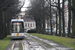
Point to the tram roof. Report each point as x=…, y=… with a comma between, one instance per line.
x=13, y=20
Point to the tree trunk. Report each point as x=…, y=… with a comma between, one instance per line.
x=50, y=19
x=1, y=22
x=37, y=27
x=43, y=15
x=56, y=23
x=8, y=26
x=43, y=26
x=63, y=19
x=59, y=18
x=4, y=25
x=69, y=16
x=73, y=20
x=40, y=28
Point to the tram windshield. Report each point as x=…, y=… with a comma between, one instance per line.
x=17, y=27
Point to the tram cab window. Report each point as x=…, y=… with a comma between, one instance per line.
x=17, y=27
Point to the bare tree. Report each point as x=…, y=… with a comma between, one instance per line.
x=69, y=21
x=63, y=20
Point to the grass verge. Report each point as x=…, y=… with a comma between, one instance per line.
x=5, y=42
x=69, y=42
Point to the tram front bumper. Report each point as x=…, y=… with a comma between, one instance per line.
x=16, y=37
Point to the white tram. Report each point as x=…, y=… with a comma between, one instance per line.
x=17, y=28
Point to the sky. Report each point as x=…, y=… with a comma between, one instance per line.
x=27, y=3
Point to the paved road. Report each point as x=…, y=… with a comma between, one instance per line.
x=35, y=43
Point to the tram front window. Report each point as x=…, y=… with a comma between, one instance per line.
x=17, y=27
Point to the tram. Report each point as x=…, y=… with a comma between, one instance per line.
x=17, y=28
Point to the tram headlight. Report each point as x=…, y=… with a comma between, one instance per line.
x=21, y=34
x=13, y=34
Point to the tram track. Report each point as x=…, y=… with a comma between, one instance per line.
x=39, y=43
x=55, y=46
x=32, y=43
x=28, y=43
x=18, y=45
x=15, y=45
